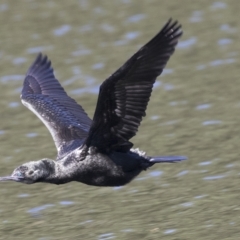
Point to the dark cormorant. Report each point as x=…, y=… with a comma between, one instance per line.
x=96, y=152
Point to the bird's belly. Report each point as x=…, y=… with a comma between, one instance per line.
x=100, y=170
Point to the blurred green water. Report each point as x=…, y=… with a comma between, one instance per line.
x=194, y=111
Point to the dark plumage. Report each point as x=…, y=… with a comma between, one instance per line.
x=97, y=152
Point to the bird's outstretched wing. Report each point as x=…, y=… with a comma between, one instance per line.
x=44, y=96
x=124, y=96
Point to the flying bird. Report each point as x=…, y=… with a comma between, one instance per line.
x=96, y=152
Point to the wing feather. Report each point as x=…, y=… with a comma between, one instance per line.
x=124, y=96
x=44, y=96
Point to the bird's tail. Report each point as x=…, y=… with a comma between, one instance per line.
x=168, y=159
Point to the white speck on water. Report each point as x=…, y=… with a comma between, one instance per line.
x=205, y=163
x=203, y=106
x=169, y=231
x=3, y=7
x=224, y=41
x=218, y=5
x=227, y=28
x=98, y=66
x=222, y=62
x=18, y=61
x=106, y=236
x=174, y=103
x=141, y=178
x=230, y=165
x=9, y=78
x=131, y=35
x=214, y=177
x=35, y=36
x=187, y=43
x=65, y=203
x=37, y=210
x=155, y=173
x=117, y=188
x=201, y=67
x=182, y=173
x=200, y=196
x=127, y=230
x=76, y=70
x=39, y=49
x=62, y=30
x=155, y=117
x=23, y=195
x=86, y=28
x=196, y=17
x=168, y=87
x=136, y=18
x=88, y=221
x=187, y=204
x=211, y=122
x=32, y=135
x=167, y=71
x=14, y=104
x=157, y=84
x=81, y=52
x=2, y=132
x=107, y=27
x=209, y=225
x=169, y=123
x=93, y=89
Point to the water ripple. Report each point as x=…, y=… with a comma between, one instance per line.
x=39, y=49
x=106, y=236
x=187, y=43
x=107, y=27
x=196, y=16
x=203, y=106
x=205, y=163
x=200, y=196
x=184, y=172
x=224, y=41
x=131, y=35
x=155, y=117
x=8, y=78
x=227, y=28
x=19, y=60
x=136, y=18
x=3, y=7
x=93, y=89
x=155, y=173
x=65, y=203
x=14, y=104
x=222, y=62
x=214, y=177
x=31, y=135
x=37, y=210
x=23, y=195
x=2, y=132
x=218, y=5
x=62, y=30
x=169, y=231
x=187, y=204
x=98, y=66
x=211, y=122
x=81, y=52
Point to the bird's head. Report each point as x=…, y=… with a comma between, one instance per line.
x=29, y=173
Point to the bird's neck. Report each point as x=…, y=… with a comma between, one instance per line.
x=56, y=173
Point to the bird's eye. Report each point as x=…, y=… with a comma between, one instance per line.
x=30, y=172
